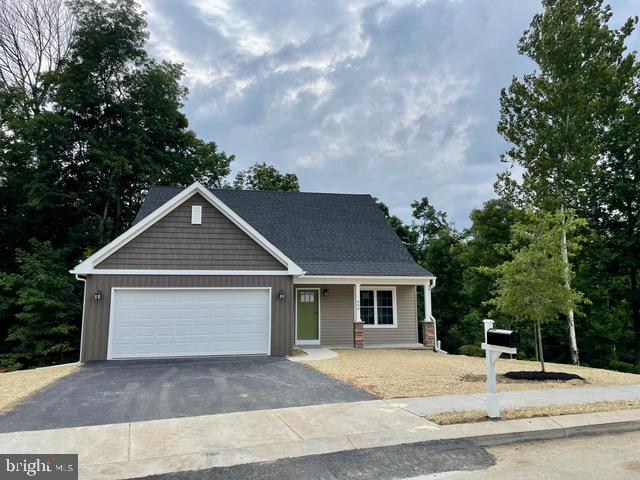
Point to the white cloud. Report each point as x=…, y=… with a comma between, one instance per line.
x=396, y=98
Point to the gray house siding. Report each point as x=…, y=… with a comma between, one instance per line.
x=336, y=317
x=174, y=243
x=95, y=333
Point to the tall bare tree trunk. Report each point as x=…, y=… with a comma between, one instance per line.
x=541, y=352
x=571, y=324
x=535, y=341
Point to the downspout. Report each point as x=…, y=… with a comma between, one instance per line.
x=84, y=299
x=431, y=286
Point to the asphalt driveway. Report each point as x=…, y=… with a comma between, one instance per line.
x=137, y=390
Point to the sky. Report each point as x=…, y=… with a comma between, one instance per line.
x=396, y=98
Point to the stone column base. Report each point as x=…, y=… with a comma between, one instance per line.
x=358, y=334
x=429, y=334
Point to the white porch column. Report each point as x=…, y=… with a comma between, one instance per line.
x=429, y=336
x=356, y=313
x=428, y=313
x=358, y=326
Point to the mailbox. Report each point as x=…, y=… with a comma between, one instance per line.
x=503, y=338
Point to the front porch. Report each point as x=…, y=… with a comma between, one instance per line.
x=382, y=312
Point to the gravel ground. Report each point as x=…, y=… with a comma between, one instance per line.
x=16, y=386
x=418, y=373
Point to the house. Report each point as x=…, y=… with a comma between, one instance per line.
x=231, y=272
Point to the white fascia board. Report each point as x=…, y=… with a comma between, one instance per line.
x=87, y=266
x=363, y=279
x=122, y=271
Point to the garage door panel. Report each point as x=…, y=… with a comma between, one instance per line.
x=175, y=322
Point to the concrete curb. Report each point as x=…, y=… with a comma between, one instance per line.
x=555, y=434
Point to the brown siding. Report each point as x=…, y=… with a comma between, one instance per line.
x=95, y=333
x=336, y=317
x=174, y=243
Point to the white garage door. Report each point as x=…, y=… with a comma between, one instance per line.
x=188, y=322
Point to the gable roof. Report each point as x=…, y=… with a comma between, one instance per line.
x=87, y=266
x=323, y=233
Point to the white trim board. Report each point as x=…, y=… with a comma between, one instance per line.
x=362, y=280
x=115, y=271
x=88, y=266
x=111, y=316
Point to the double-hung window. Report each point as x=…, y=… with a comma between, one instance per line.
x=378, y=306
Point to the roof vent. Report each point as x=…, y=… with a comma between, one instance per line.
x=196, y=215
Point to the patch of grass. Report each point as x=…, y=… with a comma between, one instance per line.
x=18, y=385
x=390, y=373
x=450, y=418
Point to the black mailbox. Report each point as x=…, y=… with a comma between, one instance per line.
x=503, y=338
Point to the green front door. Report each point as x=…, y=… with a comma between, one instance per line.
x=307, y=316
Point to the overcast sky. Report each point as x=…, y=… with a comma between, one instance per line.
x=394, y=98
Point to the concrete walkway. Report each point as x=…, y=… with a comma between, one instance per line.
x=127, y=450
x=426, y=406
x=314, y=353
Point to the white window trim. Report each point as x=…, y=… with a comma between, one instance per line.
x=375, y=289
x=308, y=342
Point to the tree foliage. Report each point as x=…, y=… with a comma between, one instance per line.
x=46, y=299
x=261, y=176
x=530, y=286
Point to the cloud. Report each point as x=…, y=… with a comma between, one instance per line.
x=395, y=98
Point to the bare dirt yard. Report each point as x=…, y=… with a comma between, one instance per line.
x=16, y=386
x=420, y=373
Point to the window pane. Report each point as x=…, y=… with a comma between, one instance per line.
x=366, y=315
x=366, y=298
x=385, y=298
x=385, y=316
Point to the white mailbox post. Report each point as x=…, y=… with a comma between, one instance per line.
x=492, y=353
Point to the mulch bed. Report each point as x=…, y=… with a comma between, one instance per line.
x=543, y=376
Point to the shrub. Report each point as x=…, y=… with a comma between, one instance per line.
x=471, y=350
x=624, y=367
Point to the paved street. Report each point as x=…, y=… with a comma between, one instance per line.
x=593, y=457
x=401, y=461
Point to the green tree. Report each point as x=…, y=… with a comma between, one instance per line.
x=483, y=246
x=555, y=117
x=261, y=176
x=531, y=286
x=123, y=109
x=407, y=233
x=99, y=128
x=617, y=201
x=45, y=296
x=439, y=249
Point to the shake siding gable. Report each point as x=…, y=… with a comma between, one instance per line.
x=174, y=243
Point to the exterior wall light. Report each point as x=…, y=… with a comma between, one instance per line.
x=281, y=294
x=325, y=292
x=97, y=295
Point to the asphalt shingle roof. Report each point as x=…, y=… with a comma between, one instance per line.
x=324, y=233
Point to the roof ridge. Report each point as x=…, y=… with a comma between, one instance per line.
x=266, y=191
